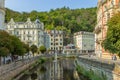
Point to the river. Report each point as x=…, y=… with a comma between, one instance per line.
x=63, y=69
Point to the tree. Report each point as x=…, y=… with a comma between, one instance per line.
x=34, y=49
x=5, y=44
x=42, y=49
x=112, y=41
x=3, y=52
x=5, y=40
x=26, y=46
x=18, y=48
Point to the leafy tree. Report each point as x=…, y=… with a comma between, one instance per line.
x=3, y=53
x=5, y=40
x=72, y=20
x=26, y=46
x=18, y=48
x=34, y=49
x=112, y=41
x=42, y=49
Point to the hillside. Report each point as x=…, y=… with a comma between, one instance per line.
x=69, y=20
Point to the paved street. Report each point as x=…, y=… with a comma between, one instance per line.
x=110, y=61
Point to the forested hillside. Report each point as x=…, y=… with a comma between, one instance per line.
x=70, y=20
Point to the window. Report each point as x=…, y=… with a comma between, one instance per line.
x=23, y=38
x=23, y=32
x=56, y=48
x=17, y=32
x=56, y=43
x=56, y=39
x=51, y=48
x=28, y=32
x=33, y=32
x=51, y=43
x=108, y=15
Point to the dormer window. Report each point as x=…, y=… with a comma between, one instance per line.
x=112, y=3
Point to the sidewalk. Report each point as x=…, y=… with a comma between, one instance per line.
x=110, y=61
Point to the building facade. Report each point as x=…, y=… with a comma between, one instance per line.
x=29, y=32
x=84, y=41
x=2, y=13
x=105, y=10
x=69, y=49
x=54, y=40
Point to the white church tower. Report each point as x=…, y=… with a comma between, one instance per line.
x=2, y=13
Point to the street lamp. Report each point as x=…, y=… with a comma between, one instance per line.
x=55, y=53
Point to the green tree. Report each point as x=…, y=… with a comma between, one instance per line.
x=18, y=48
x=34, y=49
x=26, y=46
x=112, y=41
x=5, y=40
x=3, y=53
x=5, y=44
x=42, y=49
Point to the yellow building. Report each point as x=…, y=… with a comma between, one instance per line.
x=105, y=10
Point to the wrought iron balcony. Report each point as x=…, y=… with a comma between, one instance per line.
x=29, y=35
x=99, y=40
x=97, y=29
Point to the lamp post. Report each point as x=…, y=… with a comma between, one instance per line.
x=55, y=53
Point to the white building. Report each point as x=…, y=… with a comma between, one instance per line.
x=70, y=48
x=2, y=13
x=84, y=41
x=54, y=40
x=29, y=32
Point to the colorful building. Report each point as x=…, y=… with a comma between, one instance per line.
x=84, y=42
x=54, y=40
x=105, y=10
x=28, y=32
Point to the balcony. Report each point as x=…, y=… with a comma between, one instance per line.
x=29, y=35
x=29, y=41
x=99, y=40
x=97, y=29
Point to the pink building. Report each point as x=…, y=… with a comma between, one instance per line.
x=105, y=10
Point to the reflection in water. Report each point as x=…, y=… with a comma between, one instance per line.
x=59, y=70
x=55, y=70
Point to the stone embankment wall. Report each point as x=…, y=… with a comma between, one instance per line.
x=7, y=72
x=110, y=69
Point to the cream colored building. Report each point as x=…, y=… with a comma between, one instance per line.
x=105, y=10
x=2, y=13
x=54, y=40
x=84, y=41
x=29, y=32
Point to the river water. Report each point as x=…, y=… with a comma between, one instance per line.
x=54, y=70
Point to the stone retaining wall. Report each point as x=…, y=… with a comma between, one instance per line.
x=7, y=72
x=111, y=70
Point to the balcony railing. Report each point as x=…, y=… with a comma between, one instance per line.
x=97, y=29
x=29, y=35
x=99, y=40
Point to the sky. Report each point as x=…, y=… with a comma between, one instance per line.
x=46, y=5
